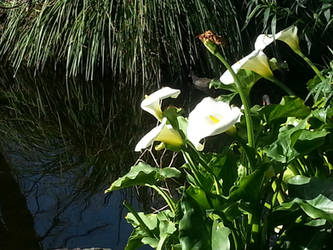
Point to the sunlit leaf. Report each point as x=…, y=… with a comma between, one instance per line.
x=282, y=149
x=142, y=174
x=220, y=235
x=309, y=140
x=313, y=195
x=166, y=228
x=217, y=84
x=289, y=106
x=134, y=241
x=150, y=220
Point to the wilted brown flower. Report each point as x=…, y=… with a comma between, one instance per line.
x=210, y=36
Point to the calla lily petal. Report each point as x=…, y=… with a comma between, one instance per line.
x=163, y=133
x=263, y=41
x=288, y=36
x=259, y=63
x=152, y=103
x=210, y=117
x=256, y=61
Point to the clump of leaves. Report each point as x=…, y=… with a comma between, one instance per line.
x=256, y=195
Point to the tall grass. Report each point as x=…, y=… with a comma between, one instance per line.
x=134, y=41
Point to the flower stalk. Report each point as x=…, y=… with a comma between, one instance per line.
x=308, y=61
x=210, y=41
x=281, y=85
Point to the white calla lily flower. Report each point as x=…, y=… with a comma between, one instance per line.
x=152, y=103
x=288, y=36
x=163, y=133
x=256, y=61
x=210, y=117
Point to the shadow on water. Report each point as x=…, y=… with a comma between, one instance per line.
x=66, y=142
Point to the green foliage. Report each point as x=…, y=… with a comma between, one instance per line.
x=248, y=196
x=142, y=174
x=129, y=40
x=314, y=17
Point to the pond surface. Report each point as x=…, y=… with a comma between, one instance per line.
x=65, y=217
x=67, y=141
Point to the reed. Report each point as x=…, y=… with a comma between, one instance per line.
x=134, y=41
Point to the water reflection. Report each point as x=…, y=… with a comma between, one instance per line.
x=67, y=141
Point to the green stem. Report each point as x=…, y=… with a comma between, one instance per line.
x=244, y=98
x=281, y=85
x=308, y=61
x=192, y=168
x=165, y=196
x=191, y=151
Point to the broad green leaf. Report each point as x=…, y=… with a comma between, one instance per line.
x=316, y=223
x=166, y=173
x=282, y=149
x=199, y=196
x=313, y=195
x=309, y=140
x=160, y=222
x=150, y=241
x=226, y=98
x=142, y=174
x=194, y=227
x=224, y=168
x=217, y=84
x=149, y=219
x=182, y=125
x=134, y=241
x=290, y=106
x=165, y=215
x=167, y=228
x=320, y=114
x=206, y=200
x=311, y=210
x=249, y=187
x=220, y=236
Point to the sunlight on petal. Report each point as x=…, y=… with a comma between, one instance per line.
x=152, y=103
x=210, y=117
x=256, y=61
x=163, y=133
x=288, y=36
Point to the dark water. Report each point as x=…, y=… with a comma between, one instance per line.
x=65, y=217
x=66, y=142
